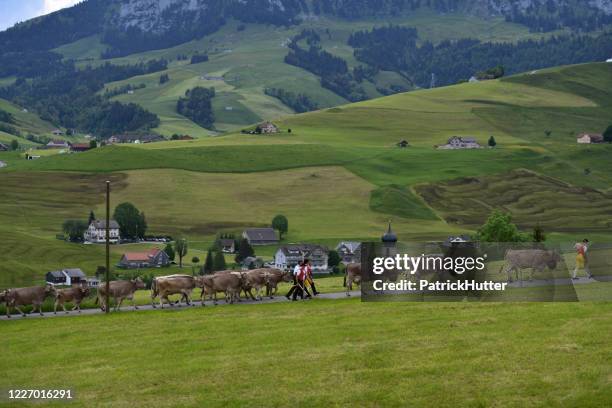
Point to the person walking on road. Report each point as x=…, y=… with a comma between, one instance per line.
x=294, y=288
x=309, y=280
x=582, y=260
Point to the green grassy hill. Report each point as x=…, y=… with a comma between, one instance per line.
x=252, y=59
x=338, y=175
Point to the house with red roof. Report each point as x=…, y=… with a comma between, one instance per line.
x=155, y=258
x=80, y=147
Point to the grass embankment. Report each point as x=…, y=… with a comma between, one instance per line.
x=321, y=353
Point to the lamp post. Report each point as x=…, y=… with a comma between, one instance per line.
x=107, y=247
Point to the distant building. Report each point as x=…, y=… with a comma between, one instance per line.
x=457, y=239
x=251, y=262
x=66, y=277
x=266, y=127
x=2, y=164
x=154, y=258
x=228, y=245
x=349, y=251
x=80, y=147
x=57, y=132
x=473, y=79
x=3, y=147
x=260, y=236
x=58, y=144
x=287, y=256
x=589, y=138
x=459, y=142
x=609, y=60
x=135, y=139
x=96, y=232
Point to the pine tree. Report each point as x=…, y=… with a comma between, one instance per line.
x=208, y=263
x=244, y=250
x=492, y=142
x=219, y=261
x=170, y=252
x=92, y=217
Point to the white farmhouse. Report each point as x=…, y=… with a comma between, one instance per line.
x=287, y=256
x=96, y=232
x=459, y=142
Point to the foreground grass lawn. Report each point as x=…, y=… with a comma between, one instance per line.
x=321, y=353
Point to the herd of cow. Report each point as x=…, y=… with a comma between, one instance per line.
x=230, y=283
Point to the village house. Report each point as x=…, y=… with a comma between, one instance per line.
x=287, y=256
x=58, y=144
x=459, y=142
x=228, y=245
x=80, y=147
x=134, y=139
x=589, y=138
x=155, y=258
x=251, y=262
x=96, y=232
x=66, y=277
x=2, y=164
x=3, y=147
x=266, y=127
x=260, y=236
x=349, y=251
x=57, y=132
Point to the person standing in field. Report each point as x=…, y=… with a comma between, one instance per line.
x=309, y=279
x=582, y=260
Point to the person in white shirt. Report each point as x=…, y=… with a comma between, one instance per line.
x=296, y=272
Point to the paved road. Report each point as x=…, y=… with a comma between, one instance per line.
x=277, y=299
x=336, y=295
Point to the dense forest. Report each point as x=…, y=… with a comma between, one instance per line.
x=197, y=106
x=333, y=70
x=300, y=103
x=395, y=49
x=69, y=97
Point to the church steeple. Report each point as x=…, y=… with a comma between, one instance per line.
x=389, y=237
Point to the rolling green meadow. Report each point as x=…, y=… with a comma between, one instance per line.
x=338, y=175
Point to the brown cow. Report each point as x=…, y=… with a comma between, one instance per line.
x=119, y=290
x=34, y=296
x=255, y=279
x=163, y=286
x=228, y=282
x=352, y=274
x=535, y=259
x=275, y=276
x=75, y=294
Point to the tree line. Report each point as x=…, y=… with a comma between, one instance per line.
x=197, y=106
x=298, y=102
x=332, y=70
x=70, y=97
x=396, y=49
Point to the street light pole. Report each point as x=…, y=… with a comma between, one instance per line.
x=107, y=247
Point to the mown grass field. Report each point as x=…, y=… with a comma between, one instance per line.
x=321, y=353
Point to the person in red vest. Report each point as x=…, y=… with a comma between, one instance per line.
x=309, y=280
